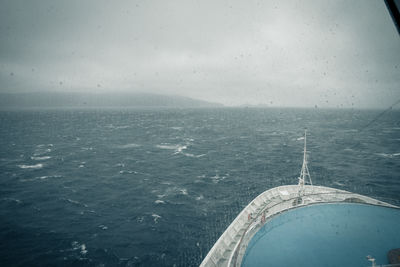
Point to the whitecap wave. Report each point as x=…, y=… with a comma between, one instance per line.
x=156, y=217
x=338, y=183
x=49, y=176
x=103, y=227
x=177, y=128
x=75, y=202
x=41, y=151
x=43, y=145
x=36, y=166
x=199, y=197
x=128, y=171
x=193, y=156
x=41, y=158
x=216, y=178
x=140, y=219
x=178, y=149
x=40, y=178
x=159, y=201
x=166, y=146
x=385, y=155
x=126, y=146
x=81, y=247
x=183, y=191
x=10, y=199
x=111, y=126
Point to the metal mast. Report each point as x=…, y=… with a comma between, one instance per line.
x=304, y=173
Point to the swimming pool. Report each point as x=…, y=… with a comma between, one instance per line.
x=326, y=235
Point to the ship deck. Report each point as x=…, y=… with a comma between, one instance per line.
x=339, y=234
x=244, y=237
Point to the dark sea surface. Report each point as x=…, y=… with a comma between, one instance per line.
x=157, y=187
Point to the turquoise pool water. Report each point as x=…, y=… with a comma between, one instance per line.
x=326, y=235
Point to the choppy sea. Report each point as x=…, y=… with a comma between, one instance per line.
x=157, y=187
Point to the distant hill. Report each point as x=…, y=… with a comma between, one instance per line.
x=26, y=100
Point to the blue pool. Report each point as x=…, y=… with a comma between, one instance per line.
x=326, y=235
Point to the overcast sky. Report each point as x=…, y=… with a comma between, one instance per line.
x=279, y=53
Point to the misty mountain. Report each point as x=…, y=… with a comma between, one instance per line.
x=26, y=100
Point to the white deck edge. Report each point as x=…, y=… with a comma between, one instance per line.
x=231, y=246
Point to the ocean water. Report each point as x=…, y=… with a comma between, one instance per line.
x=157, y=187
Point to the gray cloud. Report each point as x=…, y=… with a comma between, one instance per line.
x=295, y=53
